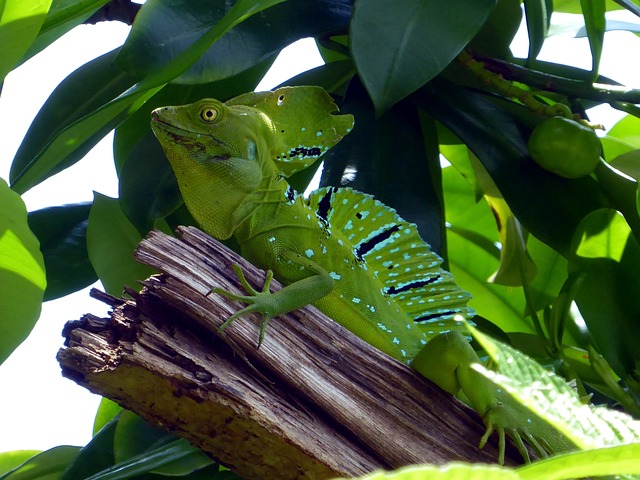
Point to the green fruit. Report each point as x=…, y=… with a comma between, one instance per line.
x=565, y=147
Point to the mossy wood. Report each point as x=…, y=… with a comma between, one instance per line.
x=314, y=401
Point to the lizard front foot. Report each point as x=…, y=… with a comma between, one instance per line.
x=261, y=302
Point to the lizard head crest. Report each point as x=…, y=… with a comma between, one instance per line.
x=304, y=124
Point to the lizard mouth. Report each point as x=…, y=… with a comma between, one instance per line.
x=180, y=134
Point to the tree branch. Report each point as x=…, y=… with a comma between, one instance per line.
x=314, y=401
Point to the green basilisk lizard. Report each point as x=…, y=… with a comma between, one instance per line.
x=340, y=250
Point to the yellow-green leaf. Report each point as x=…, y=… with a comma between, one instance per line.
x=22, y=273
x=20, y=22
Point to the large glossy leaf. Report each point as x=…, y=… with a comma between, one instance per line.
x=551, y=273
x=369, y=159
x=595, y=23
x=609, y=254
x=548, y=206
x=68, y=144
x=538, y=17
x=94, y=456
x=626, y=130
x=148, y=189
x=111, y=240
x=63, y=131
x=149, y=461
x=107, y=411
x=165, y=28
x=621, y=189
x=62, y=232
x=135, y=437
x=619, y=460
x=399, y=46
x=334, y=77
x=456, y=471
x=20, y=22
x=571, y=6
x=47, y=465
x=473, y=256
x=62, y=17
x=13, y=459
x=497, y=33
x=22, y=273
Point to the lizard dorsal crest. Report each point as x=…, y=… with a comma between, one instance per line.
x=408, y=270
x=304, y=124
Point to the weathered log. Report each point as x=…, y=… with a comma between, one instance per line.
x=314, y=401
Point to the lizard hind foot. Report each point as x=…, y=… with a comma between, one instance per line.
x=499, y=420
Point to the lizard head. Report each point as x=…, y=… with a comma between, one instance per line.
x=222, y=153
x=215, y=152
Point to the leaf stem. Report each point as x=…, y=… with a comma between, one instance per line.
x=600, y=92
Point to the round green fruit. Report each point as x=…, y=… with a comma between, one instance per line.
x=565, y=147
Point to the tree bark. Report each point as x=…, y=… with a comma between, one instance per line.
x=314, y=401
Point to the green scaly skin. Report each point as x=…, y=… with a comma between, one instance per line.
x=341, y=250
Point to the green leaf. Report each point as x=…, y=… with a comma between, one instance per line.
x=135, y=437
x=619, y=460
x=80, y=132
x=111, y=240
x=627, y=130
x=566, y=6
x=473, y=257
x=107, y=411
x=595, y=22
x=13, y=459
x=538, y=18
x=62, y=232
x=451, y=471
x=165, y=28
x=22, y=273
x=62, y=17
x=146, y=462
x=20, y=22
x=419, y=39
x=334, y=77
x=94, y=456
x=47, y=465
x=609, y=254
x=552, y=273
x=69, y=125
x=176, y=65
x=496, y=35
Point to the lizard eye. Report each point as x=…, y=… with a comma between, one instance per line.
x=208, y=114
